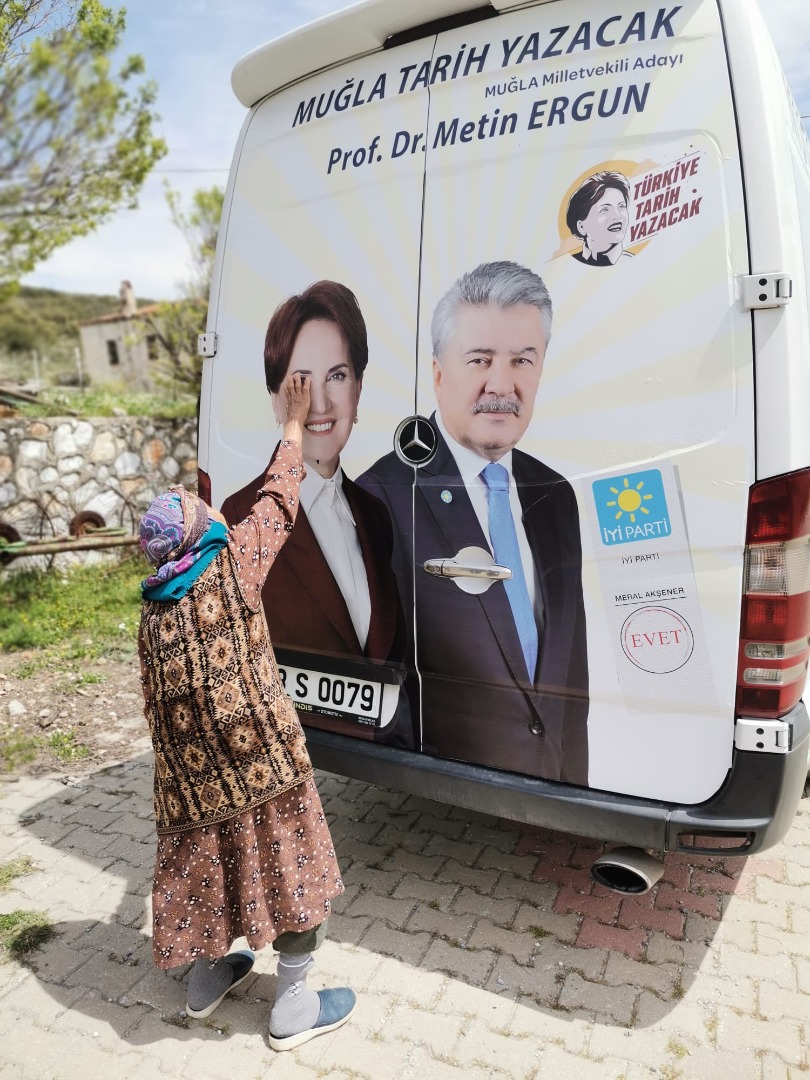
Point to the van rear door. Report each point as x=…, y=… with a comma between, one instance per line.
x=326, y=186
x=598, y=151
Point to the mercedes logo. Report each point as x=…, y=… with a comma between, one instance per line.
x=416, y=441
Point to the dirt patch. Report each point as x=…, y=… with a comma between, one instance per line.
x=68, y=719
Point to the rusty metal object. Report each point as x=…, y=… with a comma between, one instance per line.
x=85, y=523
x=96, y=541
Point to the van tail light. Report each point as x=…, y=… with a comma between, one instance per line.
x=775, y=626
x=204, y=486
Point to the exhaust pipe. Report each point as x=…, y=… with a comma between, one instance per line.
x=627, y=870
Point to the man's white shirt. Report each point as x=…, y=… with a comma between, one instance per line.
x=333, y=524
x=470, y=466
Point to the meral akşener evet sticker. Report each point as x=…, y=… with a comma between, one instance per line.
x=644, y=564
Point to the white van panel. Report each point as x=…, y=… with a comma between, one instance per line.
x=650, y=361
x=774, y=148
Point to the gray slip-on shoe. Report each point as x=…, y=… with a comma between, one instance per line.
x=241, y=965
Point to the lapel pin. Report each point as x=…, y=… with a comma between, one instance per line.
x=446, y=496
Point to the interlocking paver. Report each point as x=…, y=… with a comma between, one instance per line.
x=440, y=826
x=482, y=881
x=421, y=987
x=782, y=1037
x=349, y=929
x=660, y=978
x=433, y=892
x=405, y=946
x=647, y=1047
x=502, y=912
x=736, y=991
x=423, y=1027
x=662, y=949
x=684, y=1018
x=554, y=956
x=572, y=1030
x=454, y=849
x=422, y=1064
x=778, y=1004
x=379, y=882
x=512, y=1055
x=543, y=922
x=773, y=1068
x=425, y=866
x=458, y=999
x=539, y=893
x=614, y=1003
x=778, y=968
x=494, y=858
x=596, y=934
x=565, y=1066
x=480, y=950
x=374, y=1057
x=701, y=1063
x=541, y=983
x=401, y=842
x=472, y=964
x=435, y=921
x=487, y=935
x=383, y=908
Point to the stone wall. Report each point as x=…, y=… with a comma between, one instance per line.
x=52, y=469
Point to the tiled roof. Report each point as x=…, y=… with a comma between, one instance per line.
x=117, y=316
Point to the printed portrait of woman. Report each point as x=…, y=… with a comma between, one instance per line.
x=598, y=214
x=332, y=590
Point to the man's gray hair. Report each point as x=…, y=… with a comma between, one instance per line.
x=501, y=284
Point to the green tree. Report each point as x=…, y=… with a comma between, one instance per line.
x=76, y=136
x=177, y=323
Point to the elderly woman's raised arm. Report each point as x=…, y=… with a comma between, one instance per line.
x=255, y=541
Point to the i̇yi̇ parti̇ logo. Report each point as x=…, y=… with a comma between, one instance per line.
x=632, y=507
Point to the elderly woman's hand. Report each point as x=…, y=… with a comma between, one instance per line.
x=295, y=394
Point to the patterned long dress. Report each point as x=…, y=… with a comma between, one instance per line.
x=243, y=844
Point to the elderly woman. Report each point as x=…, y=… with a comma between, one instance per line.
x=598, y=213
x=243, y=845
x=332, y=590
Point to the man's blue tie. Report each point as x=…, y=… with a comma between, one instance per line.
x=507, y=553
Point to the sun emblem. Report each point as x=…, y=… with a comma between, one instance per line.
x=629, y=500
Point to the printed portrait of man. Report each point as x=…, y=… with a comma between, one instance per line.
x=504, y=674
x=598, y=214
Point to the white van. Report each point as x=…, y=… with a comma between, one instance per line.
x=548, y=266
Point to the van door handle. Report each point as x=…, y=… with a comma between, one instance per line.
x=473, y=569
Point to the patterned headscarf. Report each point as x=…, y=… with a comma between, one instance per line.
x=170, y=532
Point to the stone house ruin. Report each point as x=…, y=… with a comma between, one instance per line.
x=120, y=347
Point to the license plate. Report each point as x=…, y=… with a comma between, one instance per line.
x=333, y=695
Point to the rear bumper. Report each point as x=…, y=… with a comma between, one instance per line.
x=752, y=810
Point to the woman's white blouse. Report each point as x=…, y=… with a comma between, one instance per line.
x=330, y=516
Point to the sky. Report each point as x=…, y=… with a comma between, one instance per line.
x=190, y=48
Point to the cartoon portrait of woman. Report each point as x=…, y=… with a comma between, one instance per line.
x=331, y=590
x=598, y=214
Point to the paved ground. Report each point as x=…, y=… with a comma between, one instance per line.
x=478, y=950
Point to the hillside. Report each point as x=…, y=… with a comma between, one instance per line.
x=46, y=320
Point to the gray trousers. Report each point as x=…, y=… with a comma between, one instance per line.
x=299, y=943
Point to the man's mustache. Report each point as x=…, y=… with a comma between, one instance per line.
x=492, y=403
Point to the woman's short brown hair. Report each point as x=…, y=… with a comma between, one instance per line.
x=588, y=195
x=327, y=300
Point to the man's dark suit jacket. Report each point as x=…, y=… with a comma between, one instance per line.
x=477, y=704
x=303, y=603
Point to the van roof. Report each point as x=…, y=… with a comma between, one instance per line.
x=343, y=35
